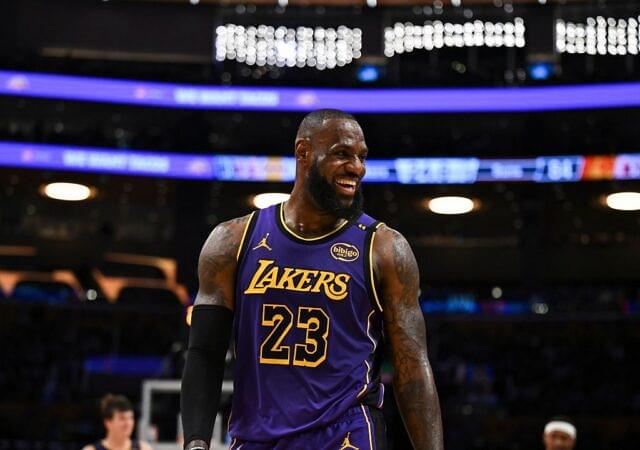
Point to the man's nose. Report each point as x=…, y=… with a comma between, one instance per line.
x=356, y=167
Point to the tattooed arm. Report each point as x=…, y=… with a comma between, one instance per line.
x=217, y=264
x=414, y=387
x=210, y=332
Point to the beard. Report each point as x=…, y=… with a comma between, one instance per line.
x=326, y=197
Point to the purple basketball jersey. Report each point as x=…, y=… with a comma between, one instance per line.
x=307, y=326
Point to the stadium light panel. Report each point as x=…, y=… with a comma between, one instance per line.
x=407, y=37
x=322, y=48
x=71, y=192
x=599, y=35
x=624, y=201
x=450, y=205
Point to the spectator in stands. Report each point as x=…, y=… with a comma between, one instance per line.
x=559, y=434
x=119, y=421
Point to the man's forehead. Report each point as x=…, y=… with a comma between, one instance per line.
x=559, y=434
x=342, y=130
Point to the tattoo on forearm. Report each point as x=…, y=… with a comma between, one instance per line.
x=413, y=380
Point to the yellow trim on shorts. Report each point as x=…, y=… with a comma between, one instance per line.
x=366, y=418
x=290, y=231
x=372, y=280
x=244, y=235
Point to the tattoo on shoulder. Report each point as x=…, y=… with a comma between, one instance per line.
x=405, y=262
x=399, y=258
x=217, y=262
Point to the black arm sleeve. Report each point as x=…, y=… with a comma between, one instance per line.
x=204, y=369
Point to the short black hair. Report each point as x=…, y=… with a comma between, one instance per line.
x=110, y=404
x=314, y=121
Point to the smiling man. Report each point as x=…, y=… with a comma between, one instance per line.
x=308, y=288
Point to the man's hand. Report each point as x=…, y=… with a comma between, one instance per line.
x=197, y=445
x=399, y=279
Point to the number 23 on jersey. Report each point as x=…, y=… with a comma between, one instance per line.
x=311, y=353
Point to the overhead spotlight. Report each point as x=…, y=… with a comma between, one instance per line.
x=71, y=192
x=372, y=3
x=194, y=2
x=302, y=46
x=624, y=201
x=598, y=35
x=267, y=199
x=450, y=205
x=407, y=37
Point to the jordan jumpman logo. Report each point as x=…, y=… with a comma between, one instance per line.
x=347, y=444
x=263, y=243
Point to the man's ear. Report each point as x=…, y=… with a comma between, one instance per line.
x=303, y=150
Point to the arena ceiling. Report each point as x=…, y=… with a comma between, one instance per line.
x=497, y=3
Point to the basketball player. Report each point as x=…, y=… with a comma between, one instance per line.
x=119, y=421
x=559, y=434
x=308, y=287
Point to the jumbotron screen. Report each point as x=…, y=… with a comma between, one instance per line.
x=282, y=168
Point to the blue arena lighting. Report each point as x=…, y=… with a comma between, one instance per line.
x=368, y=74
x=540, y=71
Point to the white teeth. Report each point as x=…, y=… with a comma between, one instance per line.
x=347, y=182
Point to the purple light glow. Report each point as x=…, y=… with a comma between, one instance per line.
x=456, y=100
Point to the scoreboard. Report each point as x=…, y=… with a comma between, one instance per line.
x=544, y=169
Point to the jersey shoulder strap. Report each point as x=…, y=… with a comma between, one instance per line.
x=246, y=235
